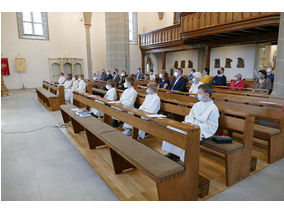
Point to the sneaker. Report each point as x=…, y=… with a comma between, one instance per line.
x=127, y=132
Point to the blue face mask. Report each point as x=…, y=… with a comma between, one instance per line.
x=268, y=70
x=200, y=97
x=260, y=77
x=235, y=78
x=148, y=91
x=193, y=80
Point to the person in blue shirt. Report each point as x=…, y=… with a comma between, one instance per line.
x=269, y=74
x=178, y=82
x=220, y=79
x=190, y=77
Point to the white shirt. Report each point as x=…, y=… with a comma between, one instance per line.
x=61, y=80
x=128, y=97
x=194, y=87
x=82, y=86
x=75, y=85
x=111, y=95
x=152, y=77
x=67, y=84
x=151, y=103
x=206, y=116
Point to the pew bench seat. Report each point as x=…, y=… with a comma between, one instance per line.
x=223, y=148
x=126, y=152
x=99, y=91
x=48, y=99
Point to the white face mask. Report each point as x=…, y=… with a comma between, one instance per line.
x=73, y=79
x=176, y=74
x=161, y=75
x=94, y=78
x=125, y=84
x=122, y=74
x=80, y=79
x=108, y=73
x=107, y=87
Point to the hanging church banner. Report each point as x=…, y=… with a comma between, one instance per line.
x=5, y=66
x=20, y=64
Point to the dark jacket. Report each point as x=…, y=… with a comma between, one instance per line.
x=220, y=81
x=179, y=86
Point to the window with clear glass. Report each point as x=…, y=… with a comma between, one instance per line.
x=132, y=18
x=32, y=25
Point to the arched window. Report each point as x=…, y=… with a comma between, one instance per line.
x=32, y=25
x=132, y=18
x=149, y=64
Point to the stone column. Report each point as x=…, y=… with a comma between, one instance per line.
x=163, y=60
x=201, y=59
x=278, y=88
x=87, y=23
x=117, y=41
x=142, y=62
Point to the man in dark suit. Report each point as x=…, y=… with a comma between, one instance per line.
x=139, y=75
x=116, y=76
x=178, y=82
x=108, y=76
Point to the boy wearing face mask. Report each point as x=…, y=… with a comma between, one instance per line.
x=151, y=104
x=220, y=79
x=110, y=95
x=128, y=97
x=178, y=82
x=237, y=82
x=67, y=86
x=139, y=75
x=269, y=74
x=204, y=114
x=69, y=91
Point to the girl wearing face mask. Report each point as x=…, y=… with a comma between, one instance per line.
x=164, y=80
x=237, y=82
x=190, y=77
x=206, y=78
x=195, y=82
x=151, y=104
x=110, y=95
x=262, y=82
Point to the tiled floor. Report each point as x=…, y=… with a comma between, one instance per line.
x=42, y=165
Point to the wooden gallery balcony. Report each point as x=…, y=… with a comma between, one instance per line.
x=201, y=29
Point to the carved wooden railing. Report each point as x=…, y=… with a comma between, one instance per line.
x=167, y=34
x=201, y=20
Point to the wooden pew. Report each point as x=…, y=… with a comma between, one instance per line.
x=173, y=181
x=240, y=150
x=51, y=96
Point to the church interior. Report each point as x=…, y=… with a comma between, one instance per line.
x=142, y=106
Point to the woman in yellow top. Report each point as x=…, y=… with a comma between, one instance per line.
x=206, y=78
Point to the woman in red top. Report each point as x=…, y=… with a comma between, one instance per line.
x=238, y=82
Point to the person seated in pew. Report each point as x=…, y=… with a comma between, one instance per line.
x=115, y=76
x=97, y=77
x=178, y=82
x=146, y=77
x=220, y=79
x=103, y=74
x=262, y=81
x=204, y=114
x=139, y=75
x=151, y=104
x=269, y=74
x=110, y=95
x=122, y=78
x=61, y=79
x=69, y=92
x=164, y=80
x=108, y=76
x=195, y=82
x=238, y=82
x=67, y=86
x=128, y=97
x=82, y=84
x=190, y=77
x=206, y=78
x=152, y=75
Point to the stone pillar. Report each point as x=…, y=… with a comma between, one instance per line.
x=163, y=60
x=201, y=59
x=278, y=88
x=208, y=53
x=143, y=62
x=87, y=23
x=117, y=41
